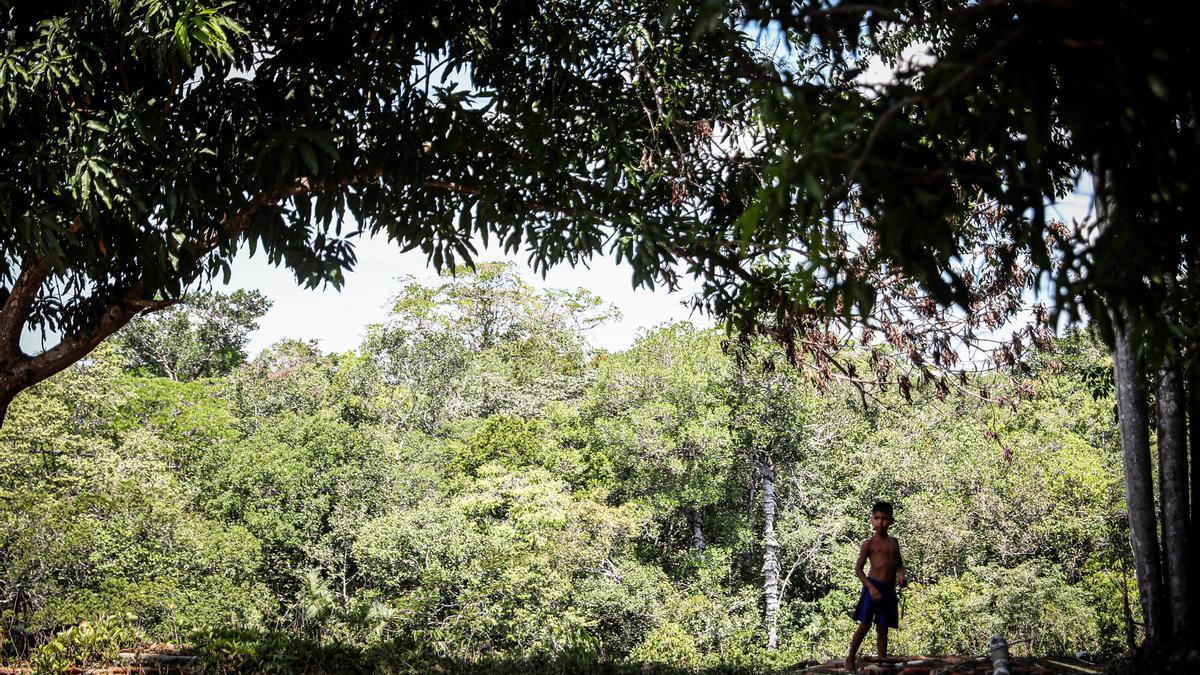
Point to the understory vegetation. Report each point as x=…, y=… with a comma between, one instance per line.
x=477, y=485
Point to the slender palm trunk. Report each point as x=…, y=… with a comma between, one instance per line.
x=1139, y=485
x=770, y=568
x=1173, y=491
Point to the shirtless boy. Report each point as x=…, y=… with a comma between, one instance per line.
x=878, y=600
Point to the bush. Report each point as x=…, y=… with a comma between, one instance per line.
x=1032, y=605
x=89, y=643
x=228, y=650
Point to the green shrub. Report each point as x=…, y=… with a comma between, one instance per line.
x=88, y=643
x=227, y=651
x=669, y=645
x=1031, y=604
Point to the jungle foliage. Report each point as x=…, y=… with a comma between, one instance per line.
x=477, y=487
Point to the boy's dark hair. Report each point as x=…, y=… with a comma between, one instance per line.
x=884, y=508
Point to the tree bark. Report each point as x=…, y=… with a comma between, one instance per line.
x=1130, y=642
x=20, y=371
x=6, y=397
x=770, y=568
x=1173, y=491
x=1139, y=485
x=1192, y=403
x=1192, y=394
x=696, y=518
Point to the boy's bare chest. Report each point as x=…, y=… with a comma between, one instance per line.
x=882, y=550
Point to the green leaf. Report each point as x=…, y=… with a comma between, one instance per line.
x=85, y=181
x=310, y=159
x=813, y=186
x=102, y=190
x=182, y=41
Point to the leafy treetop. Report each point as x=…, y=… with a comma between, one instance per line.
x=964, y=150
x=147, y=141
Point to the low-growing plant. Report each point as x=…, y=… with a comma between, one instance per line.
x=88, y=643
x=229, y=650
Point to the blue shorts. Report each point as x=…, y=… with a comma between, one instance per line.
x=884, y=611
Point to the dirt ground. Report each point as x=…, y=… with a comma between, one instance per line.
x=955, y=665
x=171, y=660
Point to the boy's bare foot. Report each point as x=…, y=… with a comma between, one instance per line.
x=849, y=666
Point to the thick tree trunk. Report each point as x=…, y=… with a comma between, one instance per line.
x=1173, y=491
x=696, y=518
x=6, y=397
x=1130, y=641
x=1192, y=395
x=1139, y=485
x=1192, y=398
x=770, y=568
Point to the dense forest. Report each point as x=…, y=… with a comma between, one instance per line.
x=478, y=484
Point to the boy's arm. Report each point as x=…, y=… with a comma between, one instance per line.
x=863, y=552
x=901, y=573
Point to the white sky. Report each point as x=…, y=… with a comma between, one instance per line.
x=337, y=320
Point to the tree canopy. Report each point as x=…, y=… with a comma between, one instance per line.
x=150, y=140
x=147, y=142
x=994, y=111
x=204, y=336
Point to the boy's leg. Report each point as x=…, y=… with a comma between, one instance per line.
x=881, y=637
x=855, y=643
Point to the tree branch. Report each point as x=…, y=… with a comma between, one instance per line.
x=72, y=348
x=17, y=306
